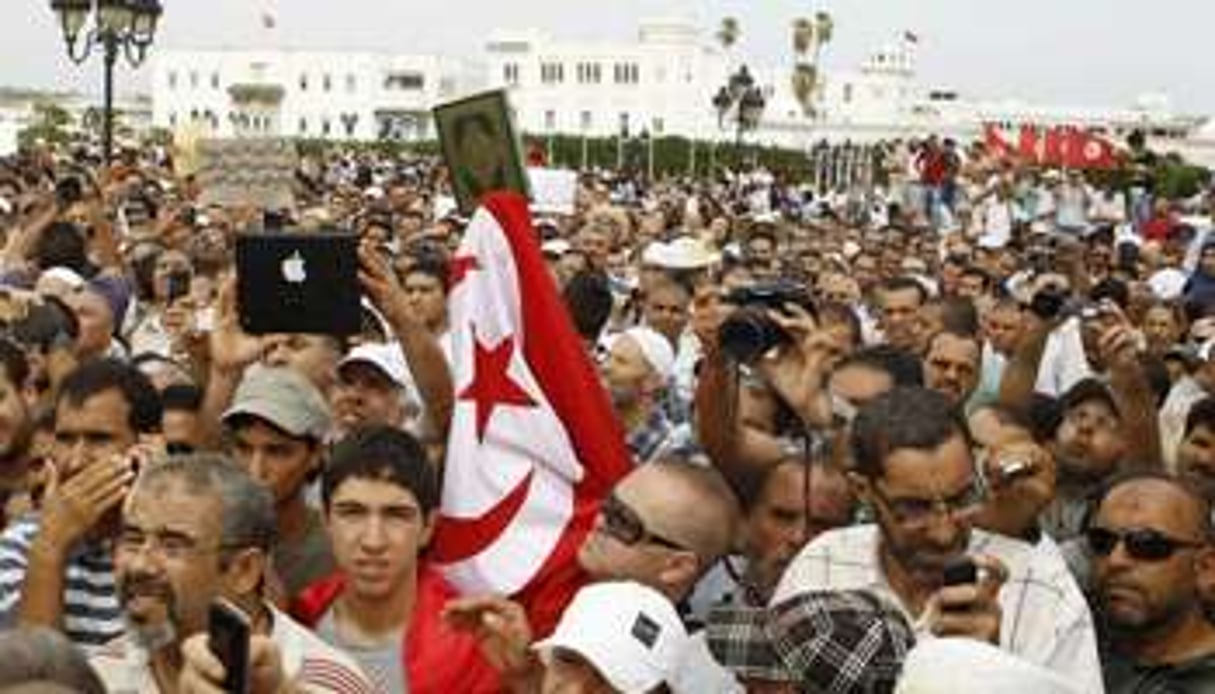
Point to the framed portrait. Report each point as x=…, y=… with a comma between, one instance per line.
x=481, y=148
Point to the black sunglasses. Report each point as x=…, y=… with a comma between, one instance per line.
x=623, y=523
x=1143, y=544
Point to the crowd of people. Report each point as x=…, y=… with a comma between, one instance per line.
x=949, y=429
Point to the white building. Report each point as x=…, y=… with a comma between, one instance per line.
x=662, y=83
x=309, y=94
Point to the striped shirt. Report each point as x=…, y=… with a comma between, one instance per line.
x=1045, y=618
x=310, y=664
x=91, y=613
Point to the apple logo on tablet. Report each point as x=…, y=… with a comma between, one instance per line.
x=293, y=268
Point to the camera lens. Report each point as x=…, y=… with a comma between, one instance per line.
x=747, y=335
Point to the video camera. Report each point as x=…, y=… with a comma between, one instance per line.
x=750, y=332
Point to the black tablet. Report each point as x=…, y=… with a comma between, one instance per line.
x=298, y=282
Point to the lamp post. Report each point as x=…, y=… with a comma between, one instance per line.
x=741, y=101
x=124, y=27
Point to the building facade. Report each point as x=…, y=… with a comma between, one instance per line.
x=306, y=94
x=660, y=83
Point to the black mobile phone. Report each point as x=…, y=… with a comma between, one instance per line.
x=228, y=632
x=960, y=572
x=178, y=285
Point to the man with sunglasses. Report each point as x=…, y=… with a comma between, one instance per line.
x=663, y=526
x=914, y=468
x=1150, y=542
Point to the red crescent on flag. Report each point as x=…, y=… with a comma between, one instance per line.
x=472, y=535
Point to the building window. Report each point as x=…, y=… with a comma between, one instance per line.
x=550, y=120
x=625, y=73
x=326, y=83
x=173, y=79
x=624, y=124
x=552, y=73
x=405, y=81
x=351, y=83
x=193, y=80
x=303, y=126
x=510, y=73
x=215, y=80
x=585, y=121
x=326, y=127
x=848, y=93
x=172, y=120
x=304, y=83
x=589, y=73
x=635, y=71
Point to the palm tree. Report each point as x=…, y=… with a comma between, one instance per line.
x=728, y=32
x=803, y=36
x=809, y=35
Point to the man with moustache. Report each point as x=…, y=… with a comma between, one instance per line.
x=1196, y=454
x=194, y=529
x=55, y=565
x=951, y=366
x=1150, y=541
x=914, y=468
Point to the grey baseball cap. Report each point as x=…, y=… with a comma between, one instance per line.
x=282, y=397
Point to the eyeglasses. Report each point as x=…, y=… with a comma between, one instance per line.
x=1143, y=544
x=622, y=522
x=919, y=513
x=163, y=543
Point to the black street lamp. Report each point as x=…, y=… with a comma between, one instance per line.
x=742, y=96
x=118, y=26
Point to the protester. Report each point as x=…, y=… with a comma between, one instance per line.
x=914, y=469
x=278, y=423
x=40, y=659
x=384, y=606
x=614, y=637
x=839, y=641
x=1150, y=540
x=198, y=528
x=57, y=568
x=1045, y=307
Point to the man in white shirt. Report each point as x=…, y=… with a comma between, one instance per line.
x=915, y=469
x=196, y=528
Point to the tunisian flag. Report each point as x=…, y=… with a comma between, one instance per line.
x=534, y=444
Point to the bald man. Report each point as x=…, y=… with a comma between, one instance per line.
x=663, y=526
x=1151, y=546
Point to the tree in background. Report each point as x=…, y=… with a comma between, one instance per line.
x=809, y=38
x=728, y=33
x=51, y=125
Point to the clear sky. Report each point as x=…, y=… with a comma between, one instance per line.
x=1069, y=52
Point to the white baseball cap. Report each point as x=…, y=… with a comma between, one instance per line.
x=955, y=665
x=386, y=358
x=630, y=633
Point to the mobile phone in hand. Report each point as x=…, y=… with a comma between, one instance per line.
x=178, y=285
x=228, y=632
x=960, y=572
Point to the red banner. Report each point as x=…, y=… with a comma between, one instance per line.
x=1060, y=146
